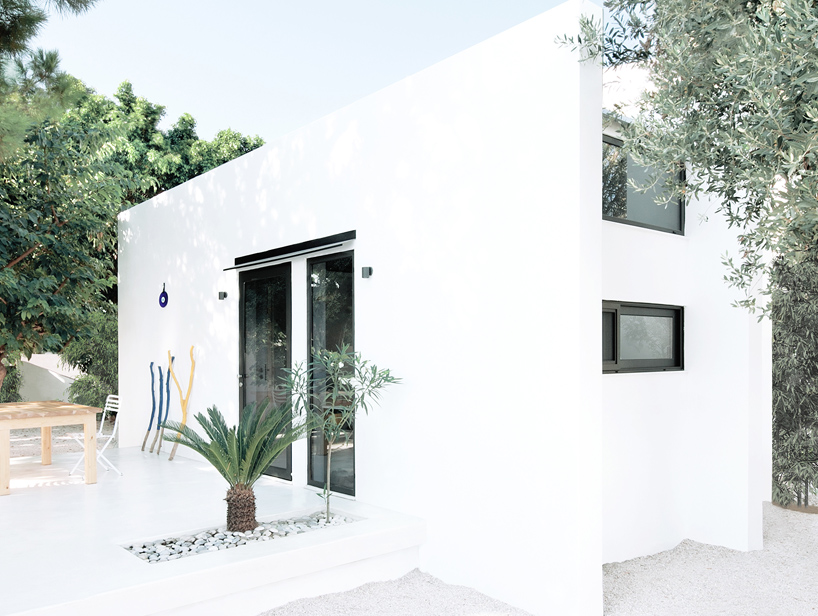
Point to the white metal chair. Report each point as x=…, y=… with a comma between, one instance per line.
x=111, y=405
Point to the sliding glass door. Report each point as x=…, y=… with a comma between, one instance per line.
x=265, y=320
x=330, y=287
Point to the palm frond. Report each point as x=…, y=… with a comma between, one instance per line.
x=242, y=453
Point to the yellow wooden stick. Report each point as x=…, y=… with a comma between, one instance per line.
x=182, y=399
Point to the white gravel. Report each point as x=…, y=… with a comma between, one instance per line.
x=415, y=594
x=692, y=579
x=215, y=539
x=695, y=579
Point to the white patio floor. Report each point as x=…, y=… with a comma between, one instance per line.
x=61, y=542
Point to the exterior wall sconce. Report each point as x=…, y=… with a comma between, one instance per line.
x=222, y=294
x=366, y=272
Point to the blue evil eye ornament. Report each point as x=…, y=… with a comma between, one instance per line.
x=163, y=297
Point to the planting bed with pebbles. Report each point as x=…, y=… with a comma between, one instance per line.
x=217, y=539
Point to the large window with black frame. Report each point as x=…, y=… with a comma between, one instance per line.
x=623, y=203
x=331, y=305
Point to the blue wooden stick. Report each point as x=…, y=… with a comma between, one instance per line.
x=153, y=410
x=167, y=407
x=167, y=393
x=158, y=417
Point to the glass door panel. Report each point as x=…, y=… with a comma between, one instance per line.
x=265, y=343
x=331, y=326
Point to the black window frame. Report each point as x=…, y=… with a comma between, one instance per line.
x=681, y=231
x=643, y=365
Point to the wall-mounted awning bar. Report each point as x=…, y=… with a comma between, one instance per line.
x=293, y=250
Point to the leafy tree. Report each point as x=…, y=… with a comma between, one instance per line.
x=97, y=357
x=734, y=94
x=32, y=90
x=32, y=87
x=10, y=389
x=69, y=161
x=242, y=453
x=58, y=200
x=159, y=159
x=794, y=311
x=20, y=20
x=156, y=160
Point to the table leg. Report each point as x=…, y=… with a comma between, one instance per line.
x=5, y=460
x=45, y=445
x=90, y=438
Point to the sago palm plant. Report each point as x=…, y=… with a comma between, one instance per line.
x=242, y=453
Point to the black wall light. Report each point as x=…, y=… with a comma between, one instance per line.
x=366, y=272
x=222, y=294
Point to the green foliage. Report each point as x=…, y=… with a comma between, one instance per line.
x=10, y=389
x=58, y=201
x=159, y=160
x=69, y=162
x=98, y=354
x=98, y=357
x=242, y=453
x=88, y=390
x=735, y=96
x=332, y=388
x=20, y=20
x=32, y=87
x=794, y=312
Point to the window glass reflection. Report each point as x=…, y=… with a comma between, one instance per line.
x=266, y=343
x=645, y=337
x=623, y=201
x=331, y=327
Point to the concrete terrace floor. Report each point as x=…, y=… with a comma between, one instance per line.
x=62, y=539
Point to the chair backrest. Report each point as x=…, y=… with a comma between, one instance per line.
x=111, y=406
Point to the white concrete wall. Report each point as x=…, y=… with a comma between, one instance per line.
x=474, y=188
x=686, y=453
x=44, y=378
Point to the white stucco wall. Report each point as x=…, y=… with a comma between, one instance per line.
x=45, y=378
x=687, y=453
x=474, y=188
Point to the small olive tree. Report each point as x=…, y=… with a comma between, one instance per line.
x=332, y=388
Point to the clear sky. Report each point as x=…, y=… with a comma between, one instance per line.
x=267, y=67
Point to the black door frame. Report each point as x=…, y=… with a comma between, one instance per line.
x=250, y=276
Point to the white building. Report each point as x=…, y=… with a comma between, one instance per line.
x=472, y=190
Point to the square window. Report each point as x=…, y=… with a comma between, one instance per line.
x=641, y=337
x=622, y=203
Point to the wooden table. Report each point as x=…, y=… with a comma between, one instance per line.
x=45, y=415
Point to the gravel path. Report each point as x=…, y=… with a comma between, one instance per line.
x=415, y=594
x=692, y=579
x=695, y=579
